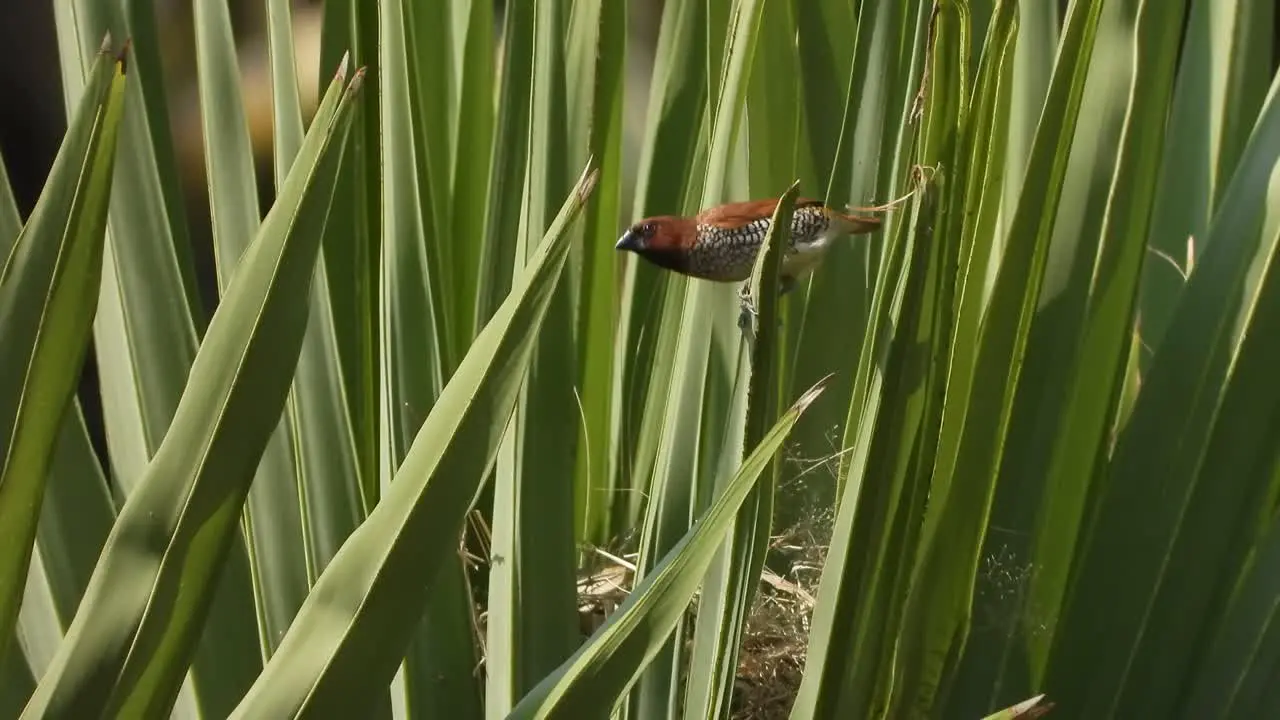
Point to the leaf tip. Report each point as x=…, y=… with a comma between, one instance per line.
x=122, y=57
x=1032, y=708
x=804, y=401
x=342, y=66
x=357, y=81
x=587, y=181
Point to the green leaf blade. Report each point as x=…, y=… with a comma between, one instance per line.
x=1165, y=442
x=130, y=650
x=348, y=638
x=48, y=295
x=277, y=563
x=614, y=657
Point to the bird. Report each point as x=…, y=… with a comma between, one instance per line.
x=720, y=243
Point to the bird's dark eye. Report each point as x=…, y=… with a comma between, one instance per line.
x=647, y=229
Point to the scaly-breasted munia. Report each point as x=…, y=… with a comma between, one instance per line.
x=721, y=243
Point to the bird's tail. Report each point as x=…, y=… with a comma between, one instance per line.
x=860, y=223
x=854, y=224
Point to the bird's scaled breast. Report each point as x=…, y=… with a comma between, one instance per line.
x=726, y=254
x=729, y=253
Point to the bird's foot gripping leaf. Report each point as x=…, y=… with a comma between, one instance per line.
x=747, y=313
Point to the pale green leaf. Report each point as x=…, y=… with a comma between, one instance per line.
x=136, y=629
x=349, y=636
x=48, y=295
x=614, y=656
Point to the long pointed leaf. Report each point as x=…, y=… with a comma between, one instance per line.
x=619, y=650
x=135, y=632
x=349, y=636
x=48, y=295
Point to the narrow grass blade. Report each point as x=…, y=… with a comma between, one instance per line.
x=286, y=105
x=1222, y=82
x=412, y=355
x=148, y=322
x=645, y=337
x=353, y=241
x=10, y=221
x=136, y=629
x=616, y=654
x=474, y=146
x=831, y=32
x=665, y=376
x=724, y=411
x=669, y=452
x=1032, y=708
x=873, y=549
x=984, y=158
x=429, y=41
x=76, y=514
x=1237, y=670
x=775, y=108
x=851, y=171
x=510, y=156
x=997, y=668
x=730, y=588
x=1039, y=35
x=937, y=615
x=349, y=637
x=672, y=412
x=136, y=20
x=272, y=522
x=1216, y=538
x=149, y=319
x=659, y=382
x=75, y=519
x=599, y=58
x=48, y=295
x=1099, y=368
x=532, y=607
x=901, y=176
x=329, y=476
x=1119, y=573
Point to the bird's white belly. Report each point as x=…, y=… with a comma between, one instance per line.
x=805, y=256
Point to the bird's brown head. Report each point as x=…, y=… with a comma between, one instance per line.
x=663, y=240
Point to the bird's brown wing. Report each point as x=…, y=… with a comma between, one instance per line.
x=737, y=214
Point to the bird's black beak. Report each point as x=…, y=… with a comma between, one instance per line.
x=630, y=240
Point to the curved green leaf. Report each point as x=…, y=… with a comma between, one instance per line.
x=731, y=586
x=473, y=150
x=710, y=330
x=48, y=297
x=976, y=423
x=329, y=476
x=10, y=220
x=1118, y=585
x=149, y=318
x=75, y=520
x=532, y=611
x=602, y=670
x=136, y=629
x=864, y=575
x=349, y=637
x=273, y=525
x=1222, y=82
x=413, y=351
